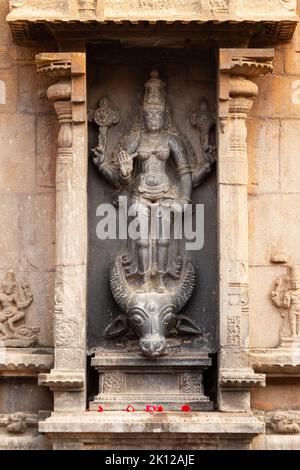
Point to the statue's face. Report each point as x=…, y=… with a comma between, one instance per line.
x=8, y=288
x=151, y=320
x=154, y=119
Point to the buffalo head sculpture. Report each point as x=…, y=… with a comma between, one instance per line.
x=151, y=315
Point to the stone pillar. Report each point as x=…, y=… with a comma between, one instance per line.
x=68, y=94
x=237, y=91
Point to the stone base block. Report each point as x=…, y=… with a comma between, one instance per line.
x=278, y=362
x=140, y=430
x=130, y=379
x=291, y=344
x=25, y=361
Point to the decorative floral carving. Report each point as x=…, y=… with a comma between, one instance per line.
x=192, y=383
x=14, y=299
x=66, y=332
x=234, y=330
x=69, y=358
x=286, y=296
x=112, y=382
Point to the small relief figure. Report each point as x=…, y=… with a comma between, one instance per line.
x=14, y=299
x=16, y=423
x=286, y=296
x=284, y=424
x=205, y=121
x=152, y=280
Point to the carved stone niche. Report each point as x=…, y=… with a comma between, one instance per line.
x=151, y=343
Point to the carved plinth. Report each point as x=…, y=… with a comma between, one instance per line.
x=130, y=379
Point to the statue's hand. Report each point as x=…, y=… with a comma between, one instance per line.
x=210, y=156
x=126, y=163
x=274, y=296
x=98, y=157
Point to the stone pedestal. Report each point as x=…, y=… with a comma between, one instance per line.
x=131, y=379
x=114, y=430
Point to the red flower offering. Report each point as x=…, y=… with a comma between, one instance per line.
x=130, y=408
x=160, y=408
x=150, y=408
x=100, y=409
x=185, y=408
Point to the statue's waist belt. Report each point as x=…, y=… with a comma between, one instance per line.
x=154, y=180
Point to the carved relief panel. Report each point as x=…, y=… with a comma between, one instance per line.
x=15, y=298
x=120, y=94
x=285, y=295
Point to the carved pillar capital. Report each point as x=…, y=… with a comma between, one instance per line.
x=68, y=95
x=237, y=91
x=237, y=69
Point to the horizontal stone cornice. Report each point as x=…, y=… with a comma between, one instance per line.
x=32, y=18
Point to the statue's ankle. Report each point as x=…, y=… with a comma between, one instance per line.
x=161, y=282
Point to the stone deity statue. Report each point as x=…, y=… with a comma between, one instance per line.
x=152, y=281
x=286, y=296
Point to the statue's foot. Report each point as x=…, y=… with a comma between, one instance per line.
x=161, y=287
x=145, y=286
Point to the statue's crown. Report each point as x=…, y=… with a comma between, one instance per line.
x=154, y=92
x=9, y=278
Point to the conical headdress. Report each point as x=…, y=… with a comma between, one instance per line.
x=154, y=92
x=9, y=278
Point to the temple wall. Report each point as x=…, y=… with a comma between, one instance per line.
x=28, y=133
x=274, y=208
x=27, y=171
x=274, y=189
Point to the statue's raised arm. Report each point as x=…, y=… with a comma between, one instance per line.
x=120, y=175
